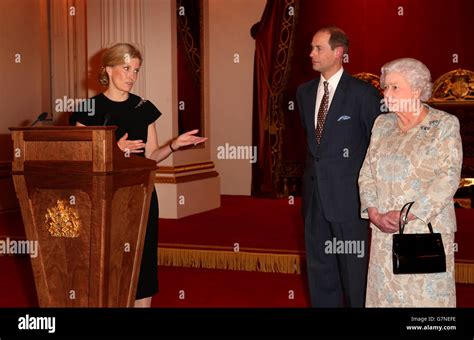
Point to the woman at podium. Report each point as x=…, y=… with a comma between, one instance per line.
x=135, y=118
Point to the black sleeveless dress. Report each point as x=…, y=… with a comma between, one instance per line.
x=133, y=117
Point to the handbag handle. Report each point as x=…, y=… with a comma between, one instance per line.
x=404, y=218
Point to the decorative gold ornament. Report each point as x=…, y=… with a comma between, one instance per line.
x=63, y=220
x=370, y=78
x=457, y=85
x=466, y=182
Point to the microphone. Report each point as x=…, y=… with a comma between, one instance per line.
x=106, y=119
x=40, y=118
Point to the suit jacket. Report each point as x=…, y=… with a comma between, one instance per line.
x=335, y=164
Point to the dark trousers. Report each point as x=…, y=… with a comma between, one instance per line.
x=336, y=275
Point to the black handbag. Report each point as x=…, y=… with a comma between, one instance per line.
x=417, y=253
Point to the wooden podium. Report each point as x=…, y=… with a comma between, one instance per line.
x=86, y=204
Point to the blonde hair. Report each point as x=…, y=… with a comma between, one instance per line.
x=118, y=54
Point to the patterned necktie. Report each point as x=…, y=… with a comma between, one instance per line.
x=323, y=110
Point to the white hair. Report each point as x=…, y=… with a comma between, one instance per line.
x=414, y=71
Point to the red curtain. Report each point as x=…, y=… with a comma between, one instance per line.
x=274, y=36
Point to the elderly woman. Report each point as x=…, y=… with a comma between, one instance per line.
x=415, y=154
x=135, y=118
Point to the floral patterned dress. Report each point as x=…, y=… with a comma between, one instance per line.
x=421, y=165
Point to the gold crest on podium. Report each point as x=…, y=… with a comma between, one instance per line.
x=62, y=220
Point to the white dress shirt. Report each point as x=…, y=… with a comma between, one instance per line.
x=333, y=82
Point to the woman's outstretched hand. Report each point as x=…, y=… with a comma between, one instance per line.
x=188, y=138
x=132, y=146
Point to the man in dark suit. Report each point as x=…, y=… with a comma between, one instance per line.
x=337, y=113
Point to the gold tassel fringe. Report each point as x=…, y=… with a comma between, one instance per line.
x=241, y=260
x=465, y=272
x=259, y=261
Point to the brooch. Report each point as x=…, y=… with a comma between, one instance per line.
x=425, y=128
x=142, y=101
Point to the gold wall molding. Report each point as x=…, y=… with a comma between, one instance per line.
x=185, y=168
x=186, y=178
x=174, y=174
